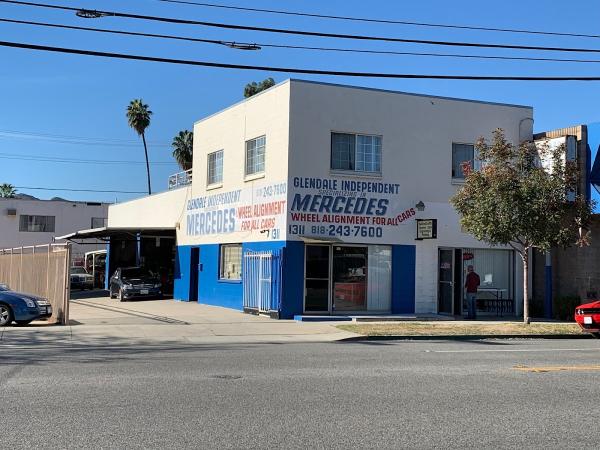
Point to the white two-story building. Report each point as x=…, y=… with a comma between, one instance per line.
x=308, y=198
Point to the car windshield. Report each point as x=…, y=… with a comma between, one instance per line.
x=136, y=272
x=78, y=270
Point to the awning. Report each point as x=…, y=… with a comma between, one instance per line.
x=105, y=233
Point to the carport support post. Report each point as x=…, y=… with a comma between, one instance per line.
x=548, y=287
x=138, y=249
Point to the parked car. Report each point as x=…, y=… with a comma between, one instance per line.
x=134, y=282
x=588, y=317
x=21, y=308
x=80, y=279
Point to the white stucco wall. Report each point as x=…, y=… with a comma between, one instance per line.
x=163, y=210
x=69, y=217
x=265, y=114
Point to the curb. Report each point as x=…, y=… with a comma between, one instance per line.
x=474, y=337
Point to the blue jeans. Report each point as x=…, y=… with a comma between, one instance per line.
x=472, y=305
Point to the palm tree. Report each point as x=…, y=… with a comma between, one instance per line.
x=183, y=150
x=138, y=117
x=7, y=190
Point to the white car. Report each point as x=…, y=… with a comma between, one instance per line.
x=80, y=279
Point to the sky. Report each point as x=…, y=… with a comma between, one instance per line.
x=70, y=106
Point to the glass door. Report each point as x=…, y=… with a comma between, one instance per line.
x=349, y=278
x=446, y=281
x=316, y=278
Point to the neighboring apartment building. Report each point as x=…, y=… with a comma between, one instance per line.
x=307, y=199
x=575, y=271
x=25, y=222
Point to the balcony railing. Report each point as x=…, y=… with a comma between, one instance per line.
x=180, y=179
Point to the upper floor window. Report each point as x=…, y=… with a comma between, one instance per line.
x=36, y=223
x=98, y=222
x=462, y=153
x=255, y=156
x=215, y=167
x=356, y=152
x=230, y=267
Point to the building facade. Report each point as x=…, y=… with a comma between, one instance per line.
x=309, y=195
x=25, y=222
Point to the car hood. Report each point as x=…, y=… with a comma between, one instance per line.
x=594, y=304
x=19, y=295
x=140, y=280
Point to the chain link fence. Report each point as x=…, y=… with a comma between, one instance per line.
x=41, y=270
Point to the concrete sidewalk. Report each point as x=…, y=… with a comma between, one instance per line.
x=106, y=322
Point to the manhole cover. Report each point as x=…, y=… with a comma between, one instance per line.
x=226, y=377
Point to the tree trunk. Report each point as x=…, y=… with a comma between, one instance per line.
x=525, y=257
x=147, y=163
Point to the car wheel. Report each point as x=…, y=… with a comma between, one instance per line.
x=121, y=298
x=6, y=315
x=23, y=322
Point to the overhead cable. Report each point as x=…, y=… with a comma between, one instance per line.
x=293, y=70
x=101, y=13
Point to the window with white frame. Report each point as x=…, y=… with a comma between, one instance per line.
x=255, y=156
x=215, y=167
x=42, y=224
x=462, y=153
x=230, y=266
x=356, y=152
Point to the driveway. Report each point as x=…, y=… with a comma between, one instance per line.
x=98, y=319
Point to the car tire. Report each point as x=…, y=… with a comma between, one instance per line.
x=22, y=323
x=121, y=298
x=6, y=315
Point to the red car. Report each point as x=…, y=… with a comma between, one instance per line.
x=588, y=317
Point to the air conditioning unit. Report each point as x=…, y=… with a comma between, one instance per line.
x=12, y=212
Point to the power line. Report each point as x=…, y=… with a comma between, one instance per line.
x=71, y=140
x=292, y=70
x=79, y=190
x=41, y=158
x=387, y=21
x=62, y=136
x=100, y=13
x=295, y=47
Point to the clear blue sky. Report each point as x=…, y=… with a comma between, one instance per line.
x=86, y=96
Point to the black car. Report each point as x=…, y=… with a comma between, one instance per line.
x=134, y=282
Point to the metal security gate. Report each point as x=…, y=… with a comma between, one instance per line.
x=261, y=275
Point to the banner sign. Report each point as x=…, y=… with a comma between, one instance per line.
x=349, y=210
x=259, y=208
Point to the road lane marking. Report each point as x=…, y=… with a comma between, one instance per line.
x=543, y=369
x=520, y=350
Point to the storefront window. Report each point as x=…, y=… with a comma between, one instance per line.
x=231, y=262
x=496, y=272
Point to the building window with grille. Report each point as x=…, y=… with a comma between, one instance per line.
x=356, y=152
x=99, y=222
x=215, y=167
x=230, y=265
x=39, y=224
x=255, y=156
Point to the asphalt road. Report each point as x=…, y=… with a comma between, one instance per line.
x=487, y=394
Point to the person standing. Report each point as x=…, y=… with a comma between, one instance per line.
x=472, y=282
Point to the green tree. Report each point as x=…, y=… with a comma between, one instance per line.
x=183, y=148
x=525, y=197
x=254, y=87
x=138, y=117
x=7, y=190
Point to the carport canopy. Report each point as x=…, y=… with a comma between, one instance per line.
x=105, y=233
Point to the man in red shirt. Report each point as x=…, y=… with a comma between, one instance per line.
x=471, y=284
